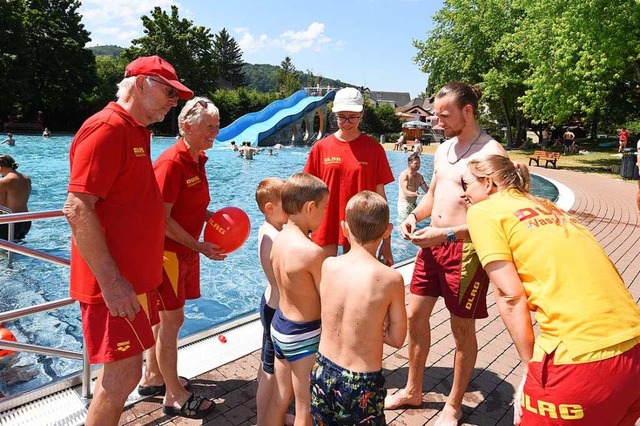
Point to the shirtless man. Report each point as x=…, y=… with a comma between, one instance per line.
x=15, y=189
x=465, y=287
x=9, y=140
x=408, y=183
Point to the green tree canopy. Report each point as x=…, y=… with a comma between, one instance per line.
x=187, y=47
x=470, y=42
x=586, y=54
x=61, y=69
x=228, y=57
x=13, y=61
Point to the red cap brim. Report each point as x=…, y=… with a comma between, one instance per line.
x=183, y=91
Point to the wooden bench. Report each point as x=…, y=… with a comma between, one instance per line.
x=547, y=156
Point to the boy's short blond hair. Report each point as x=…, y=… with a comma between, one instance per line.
x=299, y=190
x=269, y=191
x=367, y=215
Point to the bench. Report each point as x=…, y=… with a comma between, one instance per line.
x=547, y=156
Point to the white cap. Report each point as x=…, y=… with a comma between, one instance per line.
x=348, y=99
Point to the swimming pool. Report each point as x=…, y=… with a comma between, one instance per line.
x=230, y=289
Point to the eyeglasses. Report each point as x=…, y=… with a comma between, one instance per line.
x=172, y=93
x=350, y=120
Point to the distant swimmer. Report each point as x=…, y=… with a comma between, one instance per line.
x=10, y=140
x=46, y=133
x=247, y=151
x=233, y=146
x=278, y=146
x=15, y=189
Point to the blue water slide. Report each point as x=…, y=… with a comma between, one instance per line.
x=257, y=126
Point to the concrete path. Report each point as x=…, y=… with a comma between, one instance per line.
x=606, y=206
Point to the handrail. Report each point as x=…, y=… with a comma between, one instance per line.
x=10, y=218
x=25, y=216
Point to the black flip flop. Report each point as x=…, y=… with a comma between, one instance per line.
x=158, y=390
x=191, y=408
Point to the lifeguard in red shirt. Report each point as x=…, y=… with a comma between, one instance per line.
x=348, y=161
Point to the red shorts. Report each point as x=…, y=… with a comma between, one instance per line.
x=110, y=338
x=180, y=280
x=453, y=271
x=596, y=393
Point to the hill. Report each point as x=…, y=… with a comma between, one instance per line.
x=110, y=50
x=260, y=77
x=263, y=78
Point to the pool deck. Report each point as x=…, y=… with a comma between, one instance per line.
x=606, y=206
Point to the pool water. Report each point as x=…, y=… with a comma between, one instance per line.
x=230, y=289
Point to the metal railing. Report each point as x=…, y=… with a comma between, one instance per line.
x=10, y=218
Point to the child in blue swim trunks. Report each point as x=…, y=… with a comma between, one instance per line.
x=269, y=203
x=362, y=307
x=295, y=328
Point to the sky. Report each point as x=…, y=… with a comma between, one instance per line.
x=362, y=42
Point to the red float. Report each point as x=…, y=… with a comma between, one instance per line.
x=8, y=336
x=228, y=228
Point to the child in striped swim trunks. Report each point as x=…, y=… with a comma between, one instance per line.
x=296, y=263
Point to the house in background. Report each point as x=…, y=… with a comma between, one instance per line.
x=395, y=99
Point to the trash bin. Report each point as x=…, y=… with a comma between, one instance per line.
x=629, y=168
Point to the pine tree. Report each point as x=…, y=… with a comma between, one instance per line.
x=228, y=58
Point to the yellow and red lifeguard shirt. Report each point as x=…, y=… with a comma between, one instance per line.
x=183, y=183
x=347, y=168
x=110, y=159
x=581, y=303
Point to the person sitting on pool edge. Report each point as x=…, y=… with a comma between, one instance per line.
x=15, y=189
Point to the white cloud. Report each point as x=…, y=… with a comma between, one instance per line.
x=312, y=38
x=117, y=21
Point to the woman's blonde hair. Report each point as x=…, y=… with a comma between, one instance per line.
x=513, y=176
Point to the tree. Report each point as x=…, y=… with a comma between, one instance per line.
x=586, y=55
x=61, y=69
x=288, y=78
x=228, y=58
x=188, y=48
x=471, y=42
x=13, y=65
x=109, y=72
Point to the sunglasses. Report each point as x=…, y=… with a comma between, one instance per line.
x=202, y=103
x=172, y=93
x=463, y=184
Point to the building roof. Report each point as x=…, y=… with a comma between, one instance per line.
x=394, y=98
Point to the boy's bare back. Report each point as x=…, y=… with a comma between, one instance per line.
x=358, y=293
x=296, y=264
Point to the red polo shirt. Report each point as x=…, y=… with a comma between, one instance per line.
x=110, y=159
x=183, y=183
x=347, y=168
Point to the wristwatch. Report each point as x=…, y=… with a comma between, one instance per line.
x=451, y=236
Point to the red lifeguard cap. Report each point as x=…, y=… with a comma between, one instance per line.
x=155, y=66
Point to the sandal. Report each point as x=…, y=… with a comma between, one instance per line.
x=191, y=408
x=159, y=389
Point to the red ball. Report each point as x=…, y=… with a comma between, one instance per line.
x=6, y=335
x=228, y=228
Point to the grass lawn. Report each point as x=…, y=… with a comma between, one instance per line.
x=599, y=160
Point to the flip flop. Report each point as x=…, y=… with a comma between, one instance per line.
x=159, y=389
x=191, y=408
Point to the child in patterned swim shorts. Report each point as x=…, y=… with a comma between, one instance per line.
x=362, y=307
